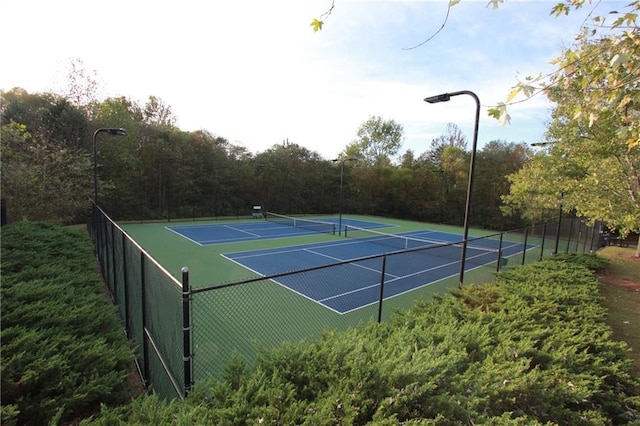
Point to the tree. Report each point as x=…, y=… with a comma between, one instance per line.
x=592, y=158
x=596, y=125
x=45, y=169
x=613, y=70
x=286, y=181
x=494, y=162
x=604, y=66
x=157, y=112
x=46, y=115
x=117, y=159
x=378, y=140
x=452, y=138
x=43, y=179
x=81, y=87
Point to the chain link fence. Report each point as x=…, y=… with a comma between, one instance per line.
x=185, y=334
x=149, y=301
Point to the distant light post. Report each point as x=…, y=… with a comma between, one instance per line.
x=114, y=132
x=341, y=192
x=445, y=97
x=539, y=144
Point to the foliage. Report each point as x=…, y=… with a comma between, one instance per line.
x=81, y=87
x=604, y=66
x=292, y=179
x=589, y=162
x=158, y=171
x=531, y=348
x=63, y=351
x=42, y=178
x=594, y=159
x=592, y=262
x=494, y=162
x=45, y=168
x=595, y=86
x=378, y=141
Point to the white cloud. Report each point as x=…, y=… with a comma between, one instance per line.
x=254, y=71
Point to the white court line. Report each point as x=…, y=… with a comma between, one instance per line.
x=391, y=280
x=285, y=286
x=243, y=231
x=350, y=263
x=307, y=297
x=408, y=290
x=244, y=266
x=301, y=247
x=350, y=242
x=183, y=236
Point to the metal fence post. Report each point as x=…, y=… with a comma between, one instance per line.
x=555, y=251
x=586, y=238
x=544, y=237
x=145, y=343
x=500, y=253
x=114, y=274
x=593, y=236
x=186, y=331
x=524, y=246
x=570, y=235
x=125, y=284
x=384, y=267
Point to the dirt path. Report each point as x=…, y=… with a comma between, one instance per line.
x=628, y=283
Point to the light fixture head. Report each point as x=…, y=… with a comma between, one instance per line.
x=444, y=97
x=118, y=132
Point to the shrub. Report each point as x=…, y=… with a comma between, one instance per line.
x=530, y=349
x=63, y=350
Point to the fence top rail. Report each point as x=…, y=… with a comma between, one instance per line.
x=173, y=279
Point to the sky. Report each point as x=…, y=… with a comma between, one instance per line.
x=255, y=73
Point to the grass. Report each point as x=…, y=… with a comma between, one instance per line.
x=621, y=291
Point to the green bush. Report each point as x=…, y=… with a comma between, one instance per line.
x=63, y=350
x=592, y=261
x=530, y=349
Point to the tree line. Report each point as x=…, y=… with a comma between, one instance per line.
x=591, y=163
x=157, y=171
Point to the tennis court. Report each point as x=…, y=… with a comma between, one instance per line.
x=237, y=308
x=275, y=226
x=426, y=257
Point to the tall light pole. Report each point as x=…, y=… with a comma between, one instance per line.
x=341, y=192
x=445, y=97
x=115, y=131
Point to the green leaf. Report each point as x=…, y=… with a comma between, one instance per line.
x=500, y=114
x=494, y=113
x=316, y=24
x=560, y=9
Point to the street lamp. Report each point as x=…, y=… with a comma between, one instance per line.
x=444, y=98
x=114, y=131
x=335, y=160
x=539, y=144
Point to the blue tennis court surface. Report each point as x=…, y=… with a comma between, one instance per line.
x=357, y=284
x=246, y=231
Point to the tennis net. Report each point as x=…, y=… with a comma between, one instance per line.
x=448, y=250
x=312, y=225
